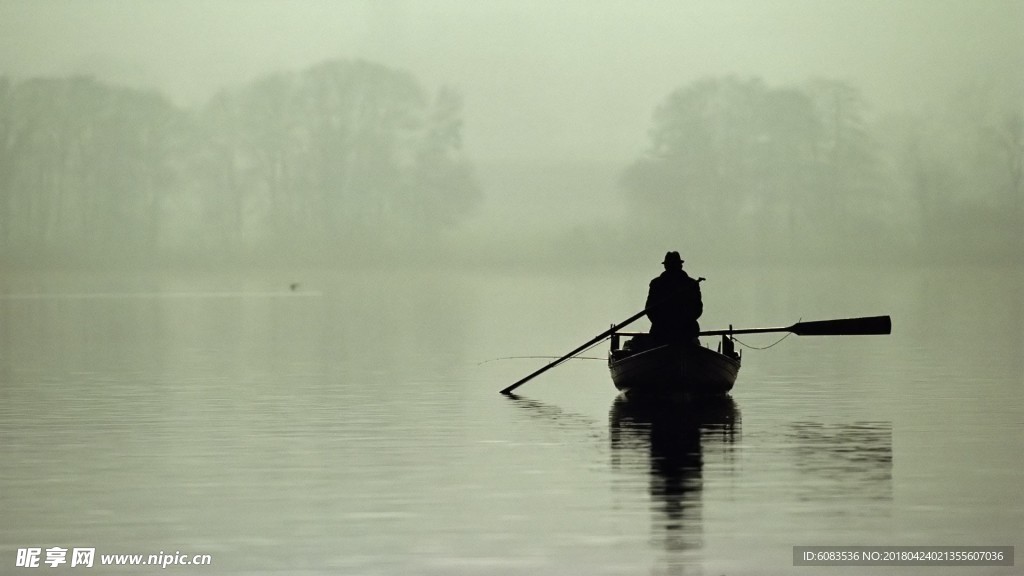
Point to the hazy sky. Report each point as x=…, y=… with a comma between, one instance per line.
x=555, y=79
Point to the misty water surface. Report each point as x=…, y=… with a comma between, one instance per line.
x=351, y=424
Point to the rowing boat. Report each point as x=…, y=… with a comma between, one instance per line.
x=680, y=370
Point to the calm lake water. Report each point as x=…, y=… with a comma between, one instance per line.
x=353, y=425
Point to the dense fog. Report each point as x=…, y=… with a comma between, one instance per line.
x=510, y=133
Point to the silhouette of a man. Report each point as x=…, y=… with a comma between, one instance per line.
x=674, y=303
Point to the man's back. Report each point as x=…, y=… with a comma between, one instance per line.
x=674, y=305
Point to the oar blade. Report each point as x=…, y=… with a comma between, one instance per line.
x=844, y=327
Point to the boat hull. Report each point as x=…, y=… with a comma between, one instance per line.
x=674, y=370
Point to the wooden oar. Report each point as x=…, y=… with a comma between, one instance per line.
x=840, y=327
x=589, y=343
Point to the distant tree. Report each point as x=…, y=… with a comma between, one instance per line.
x=248, y=136
x=364, y=119
x=443, y=189
x=343, y=150
x=701, y=147
x=994, y=175
x=776, y=165
x=960, y=168
x=1008, y=137
x=85, y=164
x=848, y=170
x=930, y=182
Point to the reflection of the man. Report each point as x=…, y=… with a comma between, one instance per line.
x=670, y=441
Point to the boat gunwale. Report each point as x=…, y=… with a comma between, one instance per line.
x=714, y=361
x=638, y=355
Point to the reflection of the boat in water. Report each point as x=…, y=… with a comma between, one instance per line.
x=843, y=462
x=670, y=442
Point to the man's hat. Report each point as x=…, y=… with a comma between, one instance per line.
x=673, y=258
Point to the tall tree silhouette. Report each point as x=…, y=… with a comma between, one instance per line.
x=776, y=165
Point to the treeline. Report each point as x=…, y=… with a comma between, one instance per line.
x=342, y=160
x=755, y=172
x=350, y=160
